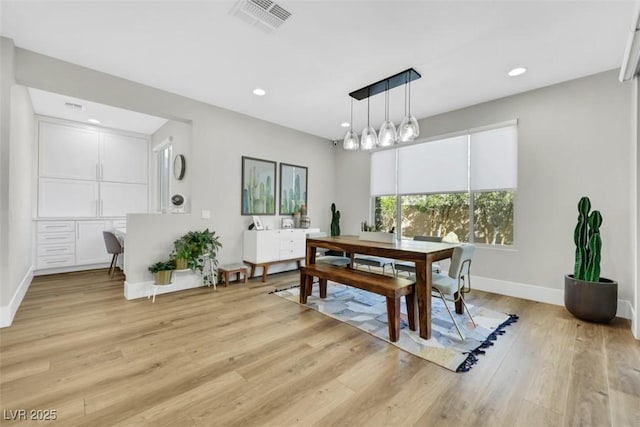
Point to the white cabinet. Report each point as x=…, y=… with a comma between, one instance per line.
x=124, y=159
x=274, y=245
x=90, y=246
x=67, y=198
x=88, y=173
x=68, y=152
x=119, y=199
x=73, y=243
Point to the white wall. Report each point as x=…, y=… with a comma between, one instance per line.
x=180, y=134
x=219, y=139
x=636, y=253
x=573, y=140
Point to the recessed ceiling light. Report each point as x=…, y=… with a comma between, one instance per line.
x=344, y=124
x=259, y=92
x=517, y=72
x=94, y=121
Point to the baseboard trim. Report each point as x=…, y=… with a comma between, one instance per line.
x=8, y=312
x=181, y=280
x=537, y=293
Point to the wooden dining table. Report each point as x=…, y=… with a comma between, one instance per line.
x=423, y=254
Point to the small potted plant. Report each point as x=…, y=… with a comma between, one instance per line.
x=587, y=295
x=163, y=271
x=181, y=253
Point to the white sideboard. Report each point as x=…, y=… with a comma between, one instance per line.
x=265, y=247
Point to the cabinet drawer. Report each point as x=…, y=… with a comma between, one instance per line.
x=55, y=261
x=55, y=249
x=287, y=243
x=66, y=237
x=47, y=226
x=287, y=254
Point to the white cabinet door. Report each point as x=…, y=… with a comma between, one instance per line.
x=90, y=246
x=124, y=158
x=67, y=198
x=68, y=152
x=120, y=199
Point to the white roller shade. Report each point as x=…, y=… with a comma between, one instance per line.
x=434, y=167
x=494, y=159
x=383, y=173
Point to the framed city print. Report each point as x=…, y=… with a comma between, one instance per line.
x=293, y=188
x=258, y=187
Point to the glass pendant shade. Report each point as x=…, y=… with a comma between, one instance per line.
x=388, y=135
x=369, y=139
x=409, y=129
x=351, y=141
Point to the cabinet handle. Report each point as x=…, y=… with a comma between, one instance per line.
x=97, y=172
x=55, y=250
x=56, y=262
x=55, y=238
x=101, y=208
x=77, y=231
x=101, y=171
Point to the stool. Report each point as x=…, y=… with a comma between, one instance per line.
x=229, y=269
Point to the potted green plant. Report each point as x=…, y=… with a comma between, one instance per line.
x=197, y=247
x=587, y=295
x=181, y=253
x=163, y=271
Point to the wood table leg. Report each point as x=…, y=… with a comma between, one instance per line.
x=410, y=300
x=323, y=287
x=458, y=302
x=303, y=287
x=423, y=292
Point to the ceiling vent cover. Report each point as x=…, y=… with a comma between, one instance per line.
x=264, y=14
x=73, y=105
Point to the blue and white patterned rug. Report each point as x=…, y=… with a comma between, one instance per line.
x=368, y=311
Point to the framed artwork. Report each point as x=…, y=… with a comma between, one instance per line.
x=257, y=222
x=293, y=188
x=258, y=187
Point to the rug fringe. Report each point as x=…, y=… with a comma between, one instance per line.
x=283, y=289
x=472, y=358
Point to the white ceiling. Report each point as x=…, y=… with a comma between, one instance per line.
x=327, y=49
x=55, y=105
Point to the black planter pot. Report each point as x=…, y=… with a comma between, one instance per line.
x=591, y=301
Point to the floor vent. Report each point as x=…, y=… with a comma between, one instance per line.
x=264, y=14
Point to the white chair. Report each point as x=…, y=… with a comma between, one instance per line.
x=409, y=266
x=457, y=282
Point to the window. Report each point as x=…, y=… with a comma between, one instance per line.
x=163, y=159
x=461, y=188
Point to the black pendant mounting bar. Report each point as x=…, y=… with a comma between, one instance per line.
x=386, y=84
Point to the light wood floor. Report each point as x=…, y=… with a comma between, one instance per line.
x=241, y=357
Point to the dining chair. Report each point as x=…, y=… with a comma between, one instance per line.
x=457, y=282
x=322, y=258
x=114, y=247
x=410, y=267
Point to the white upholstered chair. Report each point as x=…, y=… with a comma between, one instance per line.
x=457, y=282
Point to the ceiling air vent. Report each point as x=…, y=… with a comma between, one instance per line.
x=264, y=14
x=73, y=105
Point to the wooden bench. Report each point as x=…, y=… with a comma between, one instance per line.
x=390, y=287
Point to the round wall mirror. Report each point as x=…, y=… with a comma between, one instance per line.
x=179, y=167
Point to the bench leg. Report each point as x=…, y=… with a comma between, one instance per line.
x=226, y=278
x=393, y=318
x=411, y=301
x=253, y=270
x=303, y=287
x=323, y=288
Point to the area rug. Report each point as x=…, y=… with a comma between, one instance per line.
x=367, y=311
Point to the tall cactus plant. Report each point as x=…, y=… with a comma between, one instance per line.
x=588, y=242
x=335, y=220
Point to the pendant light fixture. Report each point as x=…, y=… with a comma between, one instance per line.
x=388, y=135
x=409, y=128
x=369, y=138
x=351, y=138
